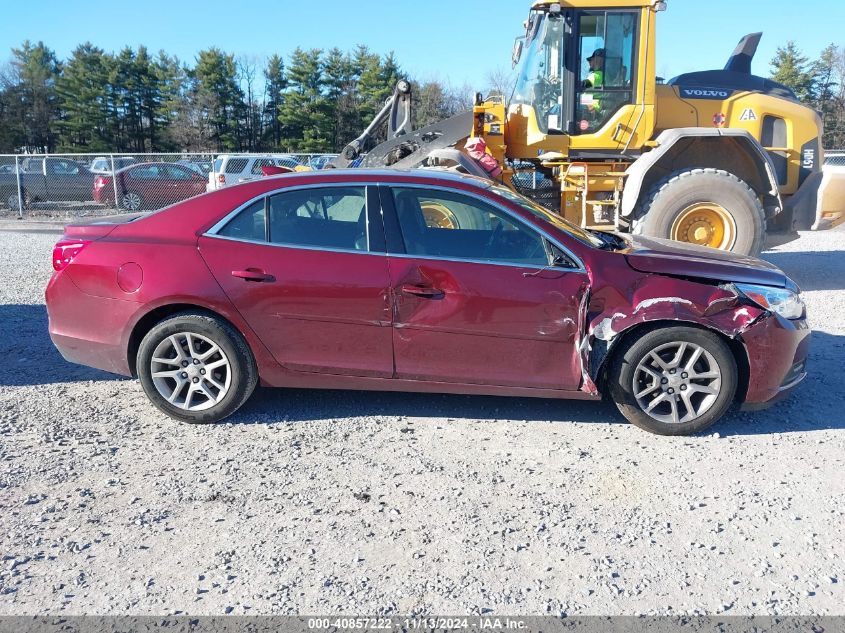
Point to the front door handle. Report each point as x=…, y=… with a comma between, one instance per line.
x=426, y=292
x=253, y=274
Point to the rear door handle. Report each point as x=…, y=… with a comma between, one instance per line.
x=426, y=292
x=253, y=274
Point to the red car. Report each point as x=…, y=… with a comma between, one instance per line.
x=148, y=186
x=418, y=281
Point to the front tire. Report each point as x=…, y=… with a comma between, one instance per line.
x=196, y=368
x=707, y=207
x=674, y=380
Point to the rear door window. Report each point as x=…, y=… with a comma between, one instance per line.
x=330, y=217
x=63, y=167
x=145, y=172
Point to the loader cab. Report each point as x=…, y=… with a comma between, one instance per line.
x=584, y=78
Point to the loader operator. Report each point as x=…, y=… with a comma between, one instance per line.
x=593, y=85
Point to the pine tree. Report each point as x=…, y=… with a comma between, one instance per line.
x=305, y=115
x=793, y=70
x=36, y=69
x=126, y=125
x=275, y=84
x=218, y=96
x=339, y=80
x=84, y=101
x=12, y=115
x=827, y=81
x=164, y=109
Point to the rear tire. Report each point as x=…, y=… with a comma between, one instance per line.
x=675, y=199
x=13, y=202
x=702, y=385
x=131, y=201
x=196, y=368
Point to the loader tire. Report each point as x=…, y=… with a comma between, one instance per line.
x=708, y=207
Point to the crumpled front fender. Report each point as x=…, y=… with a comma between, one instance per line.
x=611, y=314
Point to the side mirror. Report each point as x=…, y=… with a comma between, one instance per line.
x=516, y=55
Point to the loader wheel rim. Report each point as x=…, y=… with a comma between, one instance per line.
x=438, y=216
x=705, y=224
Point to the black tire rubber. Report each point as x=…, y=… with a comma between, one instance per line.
x=628, y=356
x=665, y=201
x=243, y=366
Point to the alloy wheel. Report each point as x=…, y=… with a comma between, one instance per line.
x=191, y=371
x=131, y=201
x=677, y=382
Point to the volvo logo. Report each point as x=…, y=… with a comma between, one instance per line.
x=705, y=93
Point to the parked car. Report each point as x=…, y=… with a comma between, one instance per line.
x=320, y=162
x=232, y=169
x=202, y=167
x=46, y=179
x=103, y=164
x=148, y=186
x=336, y=280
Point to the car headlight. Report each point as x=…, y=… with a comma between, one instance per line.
x=784, y=302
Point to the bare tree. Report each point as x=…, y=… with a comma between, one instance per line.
x=501, y=82
x=247, y=69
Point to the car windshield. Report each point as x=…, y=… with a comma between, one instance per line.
x=544, y=214
x=539, y=79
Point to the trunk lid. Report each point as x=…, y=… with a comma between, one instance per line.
x=100, y=227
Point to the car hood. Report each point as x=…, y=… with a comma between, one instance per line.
x=665, y=257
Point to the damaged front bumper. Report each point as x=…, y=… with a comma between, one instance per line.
x=777, y=351
x=771, y=350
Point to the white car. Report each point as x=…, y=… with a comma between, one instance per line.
x=230, y=169
x=103, y=164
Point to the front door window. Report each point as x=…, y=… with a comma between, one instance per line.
x=606, y=41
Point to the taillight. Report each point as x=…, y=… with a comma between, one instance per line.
x=100, y=182
x=65, y=251
x=221, y=179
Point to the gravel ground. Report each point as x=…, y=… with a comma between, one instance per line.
x=361, y=503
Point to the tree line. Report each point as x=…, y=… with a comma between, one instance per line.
x=818, y=83
x=136, y=101
x=313, y=101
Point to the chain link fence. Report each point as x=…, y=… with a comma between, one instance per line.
x=834, y=158
x=69, y=186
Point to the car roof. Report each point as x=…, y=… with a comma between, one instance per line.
x=149, y=164
x=437, y=175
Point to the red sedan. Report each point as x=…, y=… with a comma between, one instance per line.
x=418, y=281
x=148, y=186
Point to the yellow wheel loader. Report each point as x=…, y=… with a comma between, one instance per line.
x=714, y=158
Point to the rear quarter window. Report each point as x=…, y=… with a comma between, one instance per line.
x=249, y=224
x=236, y=165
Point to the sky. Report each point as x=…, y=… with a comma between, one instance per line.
x=459, y=42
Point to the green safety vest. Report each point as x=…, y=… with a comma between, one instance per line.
x=596, y=81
